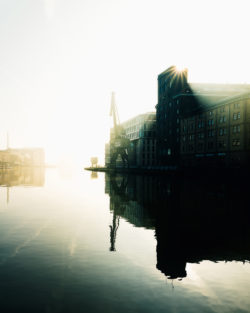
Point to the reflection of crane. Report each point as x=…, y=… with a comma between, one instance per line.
x=119, y=144
x=113, y=230
x=117, y=192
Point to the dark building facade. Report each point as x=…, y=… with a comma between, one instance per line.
x=168, y=109
x=140, y=130
x=202, y=124
x=218, y=134
x=141, y=133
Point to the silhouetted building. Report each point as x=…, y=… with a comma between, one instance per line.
x=141, y=132
x=201, y=124
x=168, y=110
x=217, y=133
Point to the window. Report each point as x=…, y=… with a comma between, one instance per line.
x=200, y=146
x=210, y=145
x=236, y=105
x=210, y=133
x=236, y=116
x=236, y=142
x=177, y=111
x=200, y=124
x=222, y=131
x=169, y=151
x=222, y=119
x=210, y=122
x=221, y=144
x=200, y=135
x=222, y=109
x=191, y=137
x=236, y=129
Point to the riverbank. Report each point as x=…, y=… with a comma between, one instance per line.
x=212, y=173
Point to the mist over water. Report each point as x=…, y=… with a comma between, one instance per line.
x=74, y=241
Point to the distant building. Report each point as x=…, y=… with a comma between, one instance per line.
x=141, y=131
x=23, y=157
x=202, y=124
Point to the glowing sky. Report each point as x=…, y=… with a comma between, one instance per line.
x=61, y=59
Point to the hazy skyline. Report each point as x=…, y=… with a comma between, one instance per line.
x=60, y=61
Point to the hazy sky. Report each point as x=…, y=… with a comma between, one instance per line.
x=61, y=59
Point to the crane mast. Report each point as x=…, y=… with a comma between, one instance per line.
x=119, y=144
x=114, y=112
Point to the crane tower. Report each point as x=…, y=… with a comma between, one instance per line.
x=119, y=144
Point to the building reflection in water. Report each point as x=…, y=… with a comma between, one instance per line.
x=22, y=176
x=193, y=220
x=94, y=175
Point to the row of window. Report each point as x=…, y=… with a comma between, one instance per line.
x=210, y=122
x=211, y=133
x=148, y=155
x=236, y=116
x=222, y=109
x=147, y=142
x=210, y=145
x=148, y=148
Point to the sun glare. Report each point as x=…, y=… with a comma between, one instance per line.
x=180, y=68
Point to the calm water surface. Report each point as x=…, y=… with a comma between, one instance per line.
x=70, y=242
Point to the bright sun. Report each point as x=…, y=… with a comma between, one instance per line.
x=180, y=68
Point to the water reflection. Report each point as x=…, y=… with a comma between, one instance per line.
x=22, y=176
x=193, y=221
x=94, y=175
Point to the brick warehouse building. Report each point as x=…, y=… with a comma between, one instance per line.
x=140, y=130
x=201, y=124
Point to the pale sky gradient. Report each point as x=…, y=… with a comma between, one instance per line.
x=61, y=59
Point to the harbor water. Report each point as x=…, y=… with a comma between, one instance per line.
x=76, y=241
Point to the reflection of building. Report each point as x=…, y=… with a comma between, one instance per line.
x=127, y=201
x=193, y=220
x=22, y=176
x=202, y=124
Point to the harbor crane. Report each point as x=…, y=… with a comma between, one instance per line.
x=119, y=143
